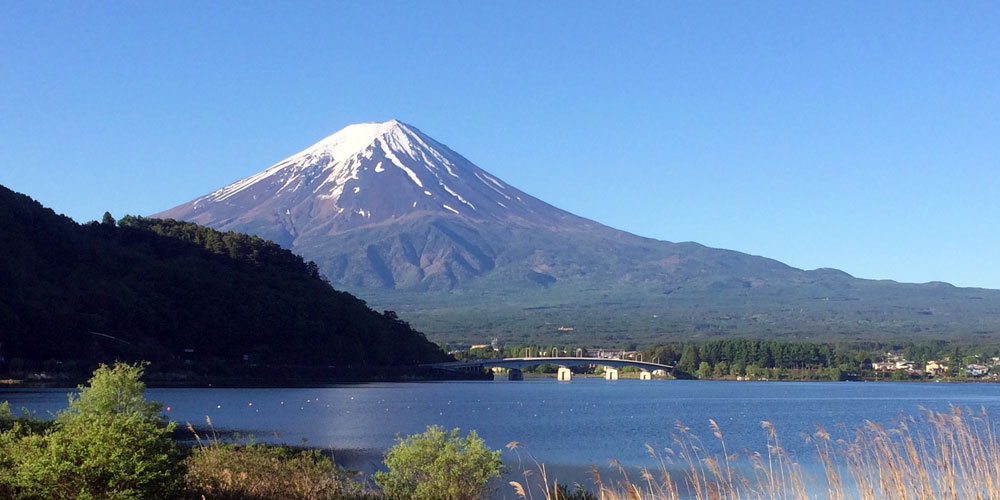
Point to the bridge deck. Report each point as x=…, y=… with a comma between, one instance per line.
x=521, y=363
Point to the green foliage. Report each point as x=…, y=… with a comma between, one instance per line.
x=579, y=493
x=606, y=312
x=113, y=391
x=782, y=360
x=704, y=370
x=689, y=359
x=438, y=465
x=110, y=444
x=766, y=354
x=20, y=426
x=542, y=368
x=148, y=289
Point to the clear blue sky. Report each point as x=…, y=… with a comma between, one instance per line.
x=858, y=135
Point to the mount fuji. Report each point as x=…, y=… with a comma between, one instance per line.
x=420, y=209
x=403, y=221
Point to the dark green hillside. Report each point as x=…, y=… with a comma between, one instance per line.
x=151, y=289
x=637, y=290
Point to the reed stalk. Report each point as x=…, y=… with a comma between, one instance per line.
x=953, y=455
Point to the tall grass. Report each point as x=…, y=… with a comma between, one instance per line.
x=948, y=455
x=254, y=471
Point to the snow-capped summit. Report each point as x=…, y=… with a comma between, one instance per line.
x=366, y=174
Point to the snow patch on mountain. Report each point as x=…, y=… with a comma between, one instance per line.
x=456, y=195
x=392, y=157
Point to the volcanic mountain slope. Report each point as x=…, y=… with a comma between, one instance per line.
x=403, y=221
x=383, y=205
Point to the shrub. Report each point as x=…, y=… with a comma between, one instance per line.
x=21, y=426
x=562, y=493
x=109, y=444
x=261, y=472
x=438, y=465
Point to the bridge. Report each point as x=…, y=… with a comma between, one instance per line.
x=516, y=365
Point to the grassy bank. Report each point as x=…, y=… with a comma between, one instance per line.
x=952, y=455
x=274, y=377
x=250, y=471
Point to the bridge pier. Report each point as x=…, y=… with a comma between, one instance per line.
x=514, y=366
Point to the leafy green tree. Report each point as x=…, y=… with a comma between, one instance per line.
x=108, y=219
x=664, y=354
x=113, y=391
x=439, y=465
x=689, y=359
x=721, y=369
x=704, y=370
x=109, y=444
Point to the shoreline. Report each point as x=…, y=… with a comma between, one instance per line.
x=271, y=383
x=181, y=380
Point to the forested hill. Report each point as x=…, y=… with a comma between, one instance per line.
x=171, y=291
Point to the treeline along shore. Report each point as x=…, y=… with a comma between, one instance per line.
x=749, y=359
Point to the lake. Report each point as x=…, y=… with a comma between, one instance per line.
x=566, y=425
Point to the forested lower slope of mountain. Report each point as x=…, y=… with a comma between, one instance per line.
x=171, y=291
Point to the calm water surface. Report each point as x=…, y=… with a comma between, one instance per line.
x=563, y=424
